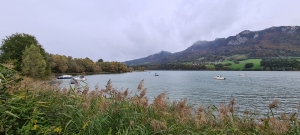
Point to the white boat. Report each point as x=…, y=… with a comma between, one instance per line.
x=242, y=75
x=156, y=74
x=219, y=77
x=79, y=78
x=64, y=77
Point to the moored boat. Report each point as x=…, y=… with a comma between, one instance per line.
x=64, y=77
x=79, y=78
x=219, y=77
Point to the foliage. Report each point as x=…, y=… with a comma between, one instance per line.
x=280, y=64
x=13, y=46
x=219, y=66
x=9, y=81
x=33, y=63
x=64, y=64
x=241, y=64
x=100, y=60
x=34, y=107
x=139, y=68
x=228, y=64
x=248, y=65
x=60, y=63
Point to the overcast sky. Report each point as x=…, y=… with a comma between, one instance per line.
x=121, y=30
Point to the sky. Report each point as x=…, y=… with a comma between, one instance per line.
x=122, y=30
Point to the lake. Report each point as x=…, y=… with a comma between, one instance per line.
x=252, y=92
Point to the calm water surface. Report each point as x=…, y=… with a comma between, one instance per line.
x=252, y=92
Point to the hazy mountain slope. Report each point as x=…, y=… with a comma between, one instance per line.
x=150, y=59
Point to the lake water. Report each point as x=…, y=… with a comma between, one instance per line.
x=252, y=92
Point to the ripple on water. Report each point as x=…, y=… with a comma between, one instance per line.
x=252, y=92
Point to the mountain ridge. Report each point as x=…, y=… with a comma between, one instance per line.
x=270, y=42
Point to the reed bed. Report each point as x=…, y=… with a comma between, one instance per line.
x=36, y=107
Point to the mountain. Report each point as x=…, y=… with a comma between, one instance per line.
x=150, y=59
x=280, y=41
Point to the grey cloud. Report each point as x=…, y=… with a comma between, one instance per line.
x=125, y=30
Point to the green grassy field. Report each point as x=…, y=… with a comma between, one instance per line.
x=210, y=66
x=241, y=64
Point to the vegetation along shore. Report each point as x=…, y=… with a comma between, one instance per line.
x=31, y=106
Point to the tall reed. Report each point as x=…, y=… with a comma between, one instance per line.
x=36, y=107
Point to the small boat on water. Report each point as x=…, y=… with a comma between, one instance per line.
x=219, y=77
x=64, y=77
x=79, y=78
x=156, y=74
x=242, y=75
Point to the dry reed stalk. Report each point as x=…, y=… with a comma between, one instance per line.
x=144, y=102
x=78, y=92
x=274, y=104
x=246, y=112
x=64, y=90
x=200, y=118
x=200, y=109
x=158, y=125
x=143, y=93
x=104, y=91
x=125, y=93
x=118, y=96
x=96, y=87
x=141, y=85
x=93, y=94
x=223, y=111
x=183, y=110
x=85, y=91
x=159, y=103
x=279, y=127
x=131, y=123
x=86, y=105
x=231, y=105
x=139, y=101
x=103, y=104
x=284, y=117
x=293, y=117
x=109, y=85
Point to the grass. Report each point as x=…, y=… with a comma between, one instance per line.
x=241, y=64
x=238, y=57
x=210, y=66
x=36, y=107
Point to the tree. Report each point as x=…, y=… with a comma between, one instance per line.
x=248, y=65
x=100, y=60
x=61, y=63
x=13, y=47
x=33, y=63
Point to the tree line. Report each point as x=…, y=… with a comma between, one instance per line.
x=67, y=64
x=26, y=55
x=279, y=64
